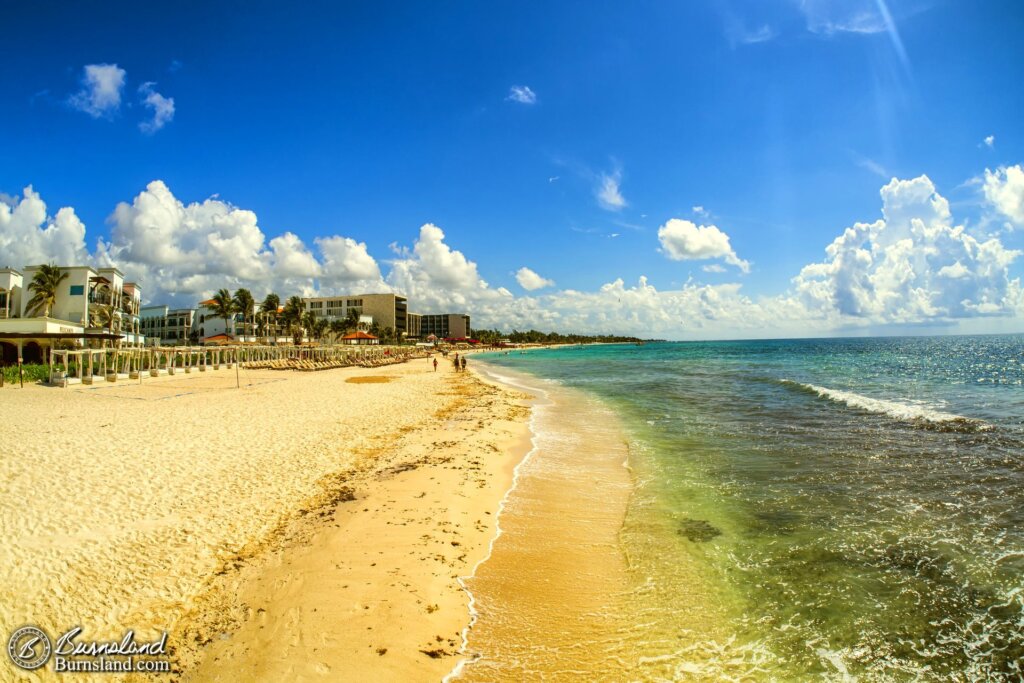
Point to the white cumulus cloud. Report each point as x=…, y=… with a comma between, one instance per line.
x=162, y=107
x=530, y=280
x=1004, y=189
x=183, y=252
x=682, y=240
x=30, y=236
x=100, y=95
x=990, y=141
x=440, y=277
x=346, y=261
x=911, y=265
x=522, y=94
x=292, y=259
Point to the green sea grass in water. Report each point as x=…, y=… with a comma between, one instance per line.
x=854, y=507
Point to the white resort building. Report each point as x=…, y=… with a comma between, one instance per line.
x=166, y=326
x=213, y=328
x=386, y=310
x=90, y=305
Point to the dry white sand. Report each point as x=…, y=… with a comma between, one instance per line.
x=143, y=507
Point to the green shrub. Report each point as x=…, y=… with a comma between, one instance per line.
x=33, y=373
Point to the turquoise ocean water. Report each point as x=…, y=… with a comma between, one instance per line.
x=847, y=507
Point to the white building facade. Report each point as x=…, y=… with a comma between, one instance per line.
x=166, y=326
x=89, y=302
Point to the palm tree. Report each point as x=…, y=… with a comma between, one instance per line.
x=292, y=315
x=268, y=309
x=103, y=316
x=319, y=327
x=387, y=335
x=244, y=304
x=351, y=320
x=309, y=322
x=44, y=286
x=224, y=307
x=337, y=328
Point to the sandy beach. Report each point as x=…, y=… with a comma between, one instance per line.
x=304, y=526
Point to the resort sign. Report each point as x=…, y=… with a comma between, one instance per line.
x=30, y=648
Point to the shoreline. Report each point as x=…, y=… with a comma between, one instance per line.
x=395, y=479
x=416, y=521
x=414, y=607
x=557, y=576
x=474, y=614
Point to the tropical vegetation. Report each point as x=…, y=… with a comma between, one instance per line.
x=292, y=318
x=244, y=304
x=536, y=337
x=33, y=372
x=224, y=307
x=44, y=286
x=268, y=314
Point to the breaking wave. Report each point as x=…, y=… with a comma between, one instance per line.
x=917, y=414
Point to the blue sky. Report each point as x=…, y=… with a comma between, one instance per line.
x=775, y=122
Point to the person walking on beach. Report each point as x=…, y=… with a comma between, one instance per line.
x=463, y=362
x=435, y=365
x=456, y=361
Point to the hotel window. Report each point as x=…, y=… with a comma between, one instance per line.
x=77, y=290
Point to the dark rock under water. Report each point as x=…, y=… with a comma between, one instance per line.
x=698, y=530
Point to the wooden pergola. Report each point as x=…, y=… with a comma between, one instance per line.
x=83, y=365
x=48, y=339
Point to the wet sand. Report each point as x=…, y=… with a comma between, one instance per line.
x=552, y=600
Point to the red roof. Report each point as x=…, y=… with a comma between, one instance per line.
x=359, y=334
x=208, y=302
x=219, y=337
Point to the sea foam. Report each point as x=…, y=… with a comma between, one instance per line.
x=919, y=414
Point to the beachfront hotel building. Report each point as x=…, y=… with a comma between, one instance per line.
x=10, y=293
x=90, y=305
x=386, y=310
x=414, y=324
x=212, y=328
x=166, y=326
x=445, y=325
